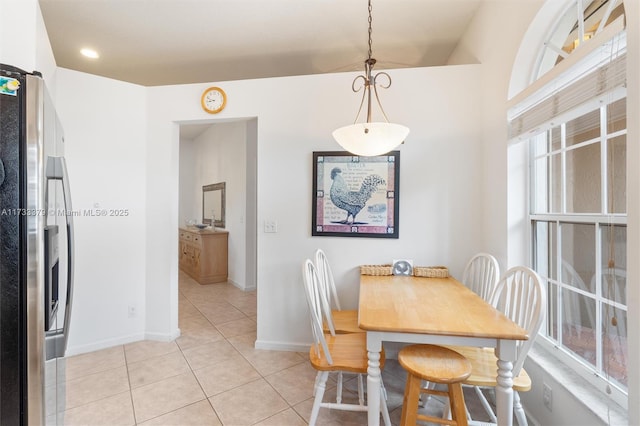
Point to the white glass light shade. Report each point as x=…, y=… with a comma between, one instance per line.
x=379, y=139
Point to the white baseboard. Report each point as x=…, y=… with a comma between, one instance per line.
x=282, y=346
x=104, y=344
x=163, y=337
x=108, y=343
x=240, y=286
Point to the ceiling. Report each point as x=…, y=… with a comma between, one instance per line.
x=160, y=42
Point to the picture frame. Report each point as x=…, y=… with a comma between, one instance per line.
x=355, y=196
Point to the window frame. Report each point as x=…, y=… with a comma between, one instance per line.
x=594, y=374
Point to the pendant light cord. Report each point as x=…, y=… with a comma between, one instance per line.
x=370, y=32
x=369, y=80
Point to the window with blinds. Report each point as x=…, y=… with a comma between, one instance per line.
x=574, y=121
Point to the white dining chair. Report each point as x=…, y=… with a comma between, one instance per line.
x=334, y=352
x=579, y=311
x=337, y=320
x=521, y=297
x=481, y=275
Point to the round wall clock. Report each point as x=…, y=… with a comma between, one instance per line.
x=213, y=100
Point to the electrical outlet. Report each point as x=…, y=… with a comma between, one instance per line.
x=133, y=312
x=547, y=396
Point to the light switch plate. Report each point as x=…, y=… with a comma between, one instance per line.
x=270, y=226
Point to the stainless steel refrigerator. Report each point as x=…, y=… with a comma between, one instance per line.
x=36, y=252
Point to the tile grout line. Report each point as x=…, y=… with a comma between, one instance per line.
x=262, y=377
x=227, y=340
x=126, y=366
x=189, y=365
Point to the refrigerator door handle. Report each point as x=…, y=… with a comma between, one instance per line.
x=56, y=169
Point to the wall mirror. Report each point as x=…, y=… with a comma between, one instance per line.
x=213, y=204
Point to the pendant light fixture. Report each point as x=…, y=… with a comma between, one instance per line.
x=370, y=138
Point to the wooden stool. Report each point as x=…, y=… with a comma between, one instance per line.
x=438, y=365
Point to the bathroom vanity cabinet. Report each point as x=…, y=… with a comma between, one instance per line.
x=203, y=254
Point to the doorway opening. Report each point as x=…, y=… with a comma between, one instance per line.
x=223, y=150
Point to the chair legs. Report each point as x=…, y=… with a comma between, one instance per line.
x=485, y=404
x=340, y=382
x=519, y=411
x=383, y=407
x=339, y=388
x=320, y=387
x=360, y=390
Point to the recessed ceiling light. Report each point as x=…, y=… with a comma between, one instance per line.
x=89, y=53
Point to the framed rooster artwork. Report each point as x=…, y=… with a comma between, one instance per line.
x=355, y=196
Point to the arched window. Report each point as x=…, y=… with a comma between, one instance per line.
x=580, y=22
x=573, y=118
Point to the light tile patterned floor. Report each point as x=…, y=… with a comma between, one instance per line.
x=211, y=375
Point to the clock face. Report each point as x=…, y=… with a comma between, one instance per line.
x=402, y=267
x=213, y=100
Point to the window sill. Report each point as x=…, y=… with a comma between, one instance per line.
x=594, y=401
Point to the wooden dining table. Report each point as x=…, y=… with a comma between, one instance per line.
x=439, y=311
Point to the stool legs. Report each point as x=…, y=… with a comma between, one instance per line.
x=410, y=401
x=456, y=400
x=434, y=364
x=412, y=392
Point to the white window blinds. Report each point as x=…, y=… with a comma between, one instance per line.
x=602, y=76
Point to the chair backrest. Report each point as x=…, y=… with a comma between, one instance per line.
x=614, y=284
x=316, y=307
x=520, y=296
x=614, y=287
x=578, y=311
x=327, y=288
x=481, y=275
x=326, y=276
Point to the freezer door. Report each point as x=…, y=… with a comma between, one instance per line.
x=35, y=220
x=21, y=339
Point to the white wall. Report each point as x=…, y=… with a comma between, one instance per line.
x=18, y=35
x=105, y=129
x=23, y=40
x=438, y=208
x=187, y=195
x=494, y=41
x=218, y=155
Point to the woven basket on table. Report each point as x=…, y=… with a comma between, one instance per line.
x=431, y=271
x=376, y=270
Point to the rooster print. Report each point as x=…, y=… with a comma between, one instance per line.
x=352, y=201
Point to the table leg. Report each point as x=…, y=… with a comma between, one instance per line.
x=506, y=353
x=374, y=346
